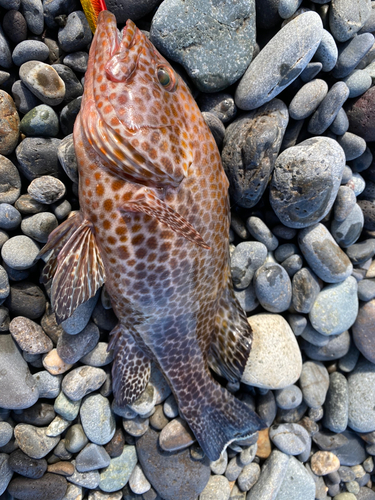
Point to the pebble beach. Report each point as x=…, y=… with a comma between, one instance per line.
x=287, y=89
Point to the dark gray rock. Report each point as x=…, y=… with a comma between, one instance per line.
x=41, y=121
x=201, y=35
x=71, y=348
x=364, y=330
x=305, y=289
x=76, y=34
x=273, y=287
x=48, y=487
x=306, y=180
x=220, y=104
x=271, y=477
x=33, y=12
x=328, y=108
x=337, y=403
x=347, y=18
x=173, y=475
x=251, y=145
x=22, y=464
x=353, y=451
x=38, y=156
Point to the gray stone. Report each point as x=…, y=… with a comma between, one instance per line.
x=216, y=126
x=306, y=180
x=335, y=308
x=97, y=419
x=336, y=406
x=305, y=289
x=291, y=439
x=199, y=35
x=340, y=124
x=314, y=383
x=323, y=254
x=83, y=380
x=353, y=451
x=65, y=407
x=344, y=203
x=76, y=34
x=10, y=181
x=271, y=477
x=48, y=385
x=20, y=463
x=352, y=144
x=89, y=480
x=273, y=287
x=288, y=398
x=327, y=52
x=17, y=386
x=220, y=104
x=289, y=51
x=251, y=145
x=358, y=82
x=34, y=440
x=41, y=121
x=173, y=475
x=99, y=356
x=297, y=483
x=29, y=50
x=10, y=218
x=347, y=18
x=328, y=108
x=259, y=230
x=362, y=397
x=37, y=156
x=67, y=158
x=351, y=54
x=6, y=433
x=336, y=347
x=307, y=99
x=57, y=426
x=81, y=316
x=117, y=474
x=39, y=226
x=364, y=328
x=72, y=348
x=313, y=337
x=246, y=259
x=75, y=439
x=92, y=457
x=46, y=189
x=138, y=482
x=30, y=336
x=217, y=488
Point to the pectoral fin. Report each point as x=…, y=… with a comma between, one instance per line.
x=131, y=368
x=75, y=266
x=232, y=338
x=147, y=202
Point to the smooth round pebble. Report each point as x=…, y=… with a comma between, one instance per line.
x=10, y=218
x=362, y=397
x=217, y=488
x=307, y=99
x=92, y=457
x=289, y=397
x=314, y=383
x=29, y=50
x=30, y=336
x=247, y=257
x=46, y=189
x=97, y=419
x=273, y=287
x=39, y=226
x=75, y=439
x=117, y=474
x=176, y=435
x=82, y=380
x=41, y=121
x=336, y=407
x=43, y=81
x=328, y=108
x=291, y=439
x=327, y=52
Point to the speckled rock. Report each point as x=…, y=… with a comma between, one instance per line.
x=334, y=347
x=323, y=254
x=217, y=488
x=288, y=51
x=347, y=18
x=34, y=441
x=291, y=439
x=272, y=474
x=360, y=112
x=275, y=358
x=117, y=474
x=22, y=464
x=273, y=287
x=9, y=124
x=251, y=145
x=71, y=348
x=327, y=52
x=46, y=189
x=41, y=121
x=305, y=289
x=337, y=403
x=173, y=475
x=307, y=99
x=52, y=90
x=176, y=24
x=328, y=108
x=97, y=419
x=30, y=336
x=362, y=397
x=83, y=380
x=76, y=33
x=364, y=330
x=306, y=180
x=48, y=487
x=324, y=462
x=335, y=308
x=37, y=156
x=314, y=383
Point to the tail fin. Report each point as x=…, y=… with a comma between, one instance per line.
x=221, y=421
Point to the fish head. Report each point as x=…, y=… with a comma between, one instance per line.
x=142, y=113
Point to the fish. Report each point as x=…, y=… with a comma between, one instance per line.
x=153, y=226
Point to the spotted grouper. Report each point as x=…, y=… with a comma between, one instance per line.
x=153, y=226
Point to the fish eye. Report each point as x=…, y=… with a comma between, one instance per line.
x=166, y=78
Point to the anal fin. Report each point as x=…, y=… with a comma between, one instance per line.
x=232, y=338
x=75, y=266
x=131, y=367
x=145, y=201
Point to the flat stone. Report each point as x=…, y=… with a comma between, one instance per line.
x=176, y=436
x=271, y=477
x=97, y=419
x=48, y=487
x=314, y=383
x=335, y=308
x=34, y=440
x=280, y=62
x=173, y=475
x=353, y=451
x=306, y=180
x=117, y=474
x=200, y=36
x=336, y=347
x=267, y=367
x=19, y=252
x=43, y=81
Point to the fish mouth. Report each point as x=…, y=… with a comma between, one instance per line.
x=120, y=42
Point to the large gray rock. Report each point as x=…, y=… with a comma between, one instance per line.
x=306, y=180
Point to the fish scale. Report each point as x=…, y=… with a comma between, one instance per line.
x=154, y=206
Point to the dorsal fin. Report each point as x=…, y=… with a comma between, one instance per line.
x=232, y=338
x=147, y=202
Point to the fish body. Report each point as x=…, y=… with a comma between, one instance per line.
x=153, y=226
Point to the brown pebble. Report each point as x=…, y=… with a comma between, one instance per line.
x=116, y=445
x=324, y=462
x=158, y=420
x=30, y=336
x=54, y=364
x=176, y=435
x=264, y=444
x=62, y=468
x=9, y=124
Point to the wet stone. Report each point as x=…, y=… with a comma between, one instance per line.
x=335, y=308
x=312, y=170
x=97, y=419
x=92, y=457
x=41, y=121
x=34, y=441
x=48, y=487
x=46, y=189
x=251, y=145
x=75, y=439
x=82, y=381
x=22, y=464
x=72, y=348
x=290, y=49
x=173, y=475
x=117, y=474
x=43, y=81
x=30, y=336
x=9, y=124
x=273, y=287
x=323, y=254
